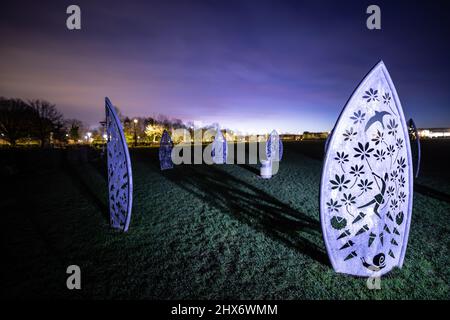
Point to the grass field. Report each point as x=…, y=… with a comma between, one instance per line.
x=201, y=231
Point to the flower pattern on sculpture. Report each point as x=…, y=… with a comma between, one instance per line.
x=363, y=151
x=380, y=155
x=387, y=98
x=119, y=172
x=368, y=182
x=274, y=147
x=339, y=183
x=333, y=205
x=349, y=134
x=379, y=137
x=392, y=126
x=371, y=95
x=358, y=117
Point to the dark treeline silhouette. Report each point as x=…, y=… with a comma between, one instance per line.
x=34, y=119
x=28, y=122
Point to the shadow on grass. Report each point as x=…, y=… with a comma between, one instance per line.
x=250, y=168
x=71, y=168
x=252, y=206
x=429, y=192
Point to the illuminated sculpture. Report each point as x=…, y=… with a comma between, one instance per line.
x=266, y=169
x=274, y=153
x=219, y=148
x=274, y=147
x=165, y=151
x=120, y=180
x=367, y=182
x=415, y=146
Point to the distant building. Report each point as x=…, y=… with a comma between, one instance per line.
x=314, y=135
x=291, y=137
x=434, y=133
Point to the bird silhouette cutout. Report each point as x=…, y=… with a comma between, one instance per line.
x=377, y=117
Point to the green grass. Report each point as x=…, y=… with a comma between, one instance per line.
x=200, y=231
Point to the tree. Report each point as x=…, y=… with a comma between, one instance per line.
x=74, y=128
x=46, y=119
x=154, y=132
x=15, y=117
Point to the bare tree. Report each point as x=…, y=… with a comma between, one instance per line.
x=47, y=119
x=15, y=116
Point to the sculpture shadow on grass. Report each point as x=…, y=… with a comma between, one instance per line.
x=252, y=168
x=252, y=206
x=430, y=192
x=72, y=168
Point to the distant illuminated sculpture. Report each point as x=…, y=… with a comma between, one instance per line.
x=415, y=146
x=266, y=169
x=367, y=181
x=219, y=148
x=165, y=151
x=274, y=147
x=120, y=180
x=274, y=153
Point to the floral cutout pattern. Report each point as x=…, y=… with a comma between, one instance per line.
x=367, y=182
x=120, y=184
x=274, y=147
x=219, y=148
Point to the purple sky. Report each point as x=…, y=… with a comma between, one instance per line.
x=249, y=65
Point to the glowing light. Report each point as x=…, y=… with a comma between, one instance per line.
x=433, y=134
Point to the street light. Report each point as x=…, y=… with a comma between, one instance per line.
x=135, y=121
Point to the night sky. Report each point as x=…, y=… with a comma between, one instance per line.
x=251, y=65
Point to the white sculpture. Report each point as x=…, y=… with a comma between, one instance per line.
x=120, y=180
x=367, y=183
x=219, y=148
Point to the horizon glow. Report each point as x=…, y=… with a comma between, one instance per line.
x=251, y=67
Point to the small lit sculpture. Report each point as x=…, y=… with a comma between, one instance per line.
x=219, y=148
x=274, y=147
x=120, y=180
x=266, y=169
x=165, y=151
x=367, y=182
x=274, y=153
x=415, y=146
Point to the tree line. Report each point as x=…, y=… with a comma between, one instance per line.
x=40, y=120
x=33, y=119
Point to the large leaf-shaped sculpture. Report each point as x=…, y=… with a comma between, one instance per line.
x=165, y=151
x=219, y=148
x=120, y=180
x=367, y=183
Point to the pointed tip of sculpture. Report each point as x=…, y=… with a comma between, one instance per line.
x=108, y=102
x=380, y=64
